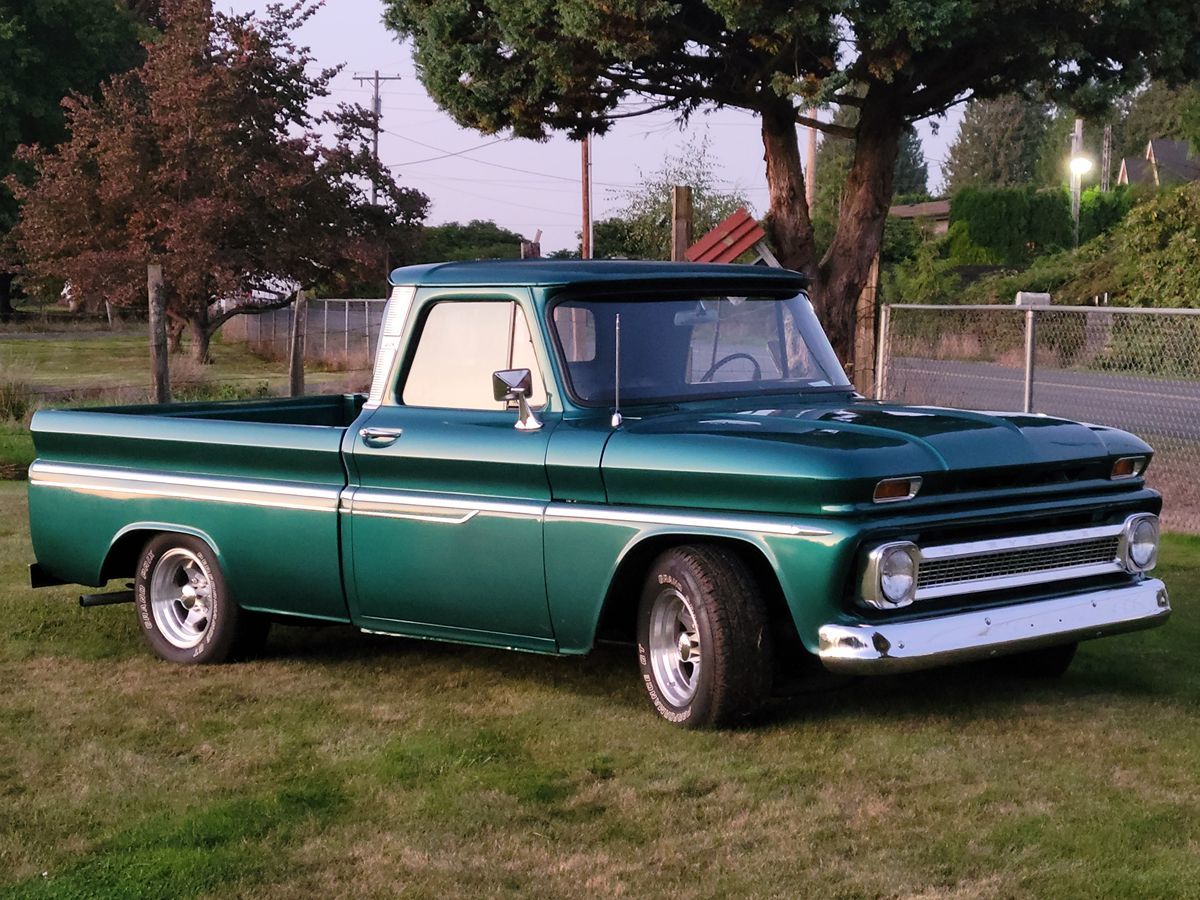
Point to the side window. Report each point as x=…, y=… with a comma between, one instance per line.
x=460, y=346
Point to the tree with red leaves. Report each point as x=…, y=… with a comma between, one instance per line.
x=206, y=159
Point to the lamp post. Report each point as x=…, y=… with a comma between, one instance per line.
x=1080, y=166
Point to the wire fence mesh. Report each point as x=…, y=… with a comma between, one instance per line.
x=340, y=334
x=1134, y=369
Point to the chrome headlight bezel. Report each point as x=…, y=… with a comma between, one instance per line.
x=877, y=568
x=1130, y=541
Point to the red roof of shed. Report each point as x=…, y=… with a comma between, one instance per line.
x=729, y=240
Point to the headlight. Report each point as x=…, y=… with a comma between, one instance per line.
x=891, y=576
x=1139, y=543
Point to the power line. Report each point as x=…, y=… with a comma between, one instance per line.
x=445, y=155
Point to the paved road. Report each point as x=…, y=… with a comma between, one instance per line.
x=1143, y=405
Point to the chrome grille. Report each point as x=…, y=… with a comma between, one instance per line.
x=988, y=565
x=1022, y=561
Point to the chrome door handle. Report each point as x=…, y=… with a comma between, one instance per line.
x=379, y=437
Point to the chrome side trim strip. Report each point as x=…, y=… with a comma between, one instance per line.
x=1047, y=539
x=128, y=483
x=627, y=516
x=446, y=509
x=871, y=649
x=396, y=513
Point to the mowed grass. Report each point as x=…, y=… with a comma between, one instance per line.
x=90, y=362
x=345, y=765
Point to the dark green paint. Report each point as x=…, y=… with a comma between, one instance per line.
x=513, y=579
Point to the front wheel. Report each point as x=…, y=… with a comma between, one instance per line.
x=184, y=607
x=704, y=645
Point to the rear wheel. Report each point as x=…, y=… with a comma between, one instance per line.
x=184, y=606
x=704, y=646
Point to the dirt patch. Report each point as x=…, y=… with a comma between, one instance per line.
x=13, y=472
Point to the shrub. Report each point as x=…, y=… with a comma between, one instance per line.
x=15, y=400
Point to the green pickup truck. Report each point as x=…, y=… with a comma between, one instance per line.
x=554, y=453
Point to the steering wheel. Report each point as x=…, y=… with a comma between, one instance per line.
x=757, y=376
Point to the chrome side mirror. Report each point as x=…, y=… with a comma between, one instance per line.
x=517, y=384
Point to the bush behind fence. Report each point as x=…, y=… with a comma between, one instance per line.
x=1134, y=369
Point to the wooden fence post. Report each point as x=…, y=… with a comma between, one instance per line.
x=681, y=221
x=296, y=353
x=160, y=372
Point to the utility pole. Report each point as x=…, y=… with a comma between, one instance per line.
x=377, y=106
x=1106, y=160
x=1076, y=173
x=585, y=235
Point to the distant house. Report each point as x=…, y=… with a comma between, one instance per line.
x=936, y=213
x=1165, y=162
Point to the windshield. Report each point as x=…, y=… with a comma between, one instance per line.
x=694, y=348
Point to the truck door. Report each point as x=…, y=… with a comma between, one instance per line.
x=443, y=526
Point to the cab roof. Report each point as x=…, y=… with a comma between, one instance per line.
x=562, y=272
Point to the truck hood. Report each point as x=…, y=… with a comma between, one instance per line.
x=819, y=458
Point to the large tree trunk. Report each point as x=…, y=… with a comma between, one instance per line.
x=844, y=270
x=6, y=310
x=788, y=219
x=198, y=325
x=175, y=327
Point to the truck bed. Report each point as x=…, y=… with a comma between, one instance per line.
x=254, y=478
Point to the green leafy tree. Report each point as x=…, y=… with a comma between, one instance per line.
x=478, y=239
x=641, y=226
x=47, y=51
x=207, y=160
x=998, y=144
x=535, y=66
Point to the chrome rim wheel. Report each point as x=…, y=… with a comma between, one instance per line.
x=181, y=597
x=675, y=651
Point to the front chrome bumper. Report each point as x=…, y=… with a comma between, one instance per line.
x=871, y=649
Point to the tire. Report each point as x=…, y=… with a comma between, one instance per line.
x=704, y=645
x=184, y=606
x=1044, y=663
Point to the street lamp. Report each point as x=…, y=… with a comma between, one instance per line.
x=1080, y=166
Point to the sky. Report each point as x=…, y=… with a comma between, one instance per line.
x=526, y=185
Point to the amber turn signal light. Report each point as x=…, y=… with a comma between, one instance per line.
x=891, y=490
x=1128, y=467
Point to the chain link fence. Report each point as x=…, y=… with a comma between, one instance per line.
x=341, y=334
x=1134, y=369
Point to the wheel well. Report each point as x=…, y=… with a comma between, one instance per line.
x=121, y=561
x=618, y=618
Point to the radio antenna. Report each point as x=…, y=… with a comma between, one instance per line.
x=616, y=417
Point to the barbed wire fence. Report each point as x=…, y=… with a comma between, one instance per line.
x=1134, y=369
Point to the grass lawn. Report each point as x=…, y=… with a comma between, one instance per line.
x=348, y=765
x=89, y=362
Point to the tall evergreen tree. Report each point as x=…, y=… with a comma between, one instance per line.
x=912, y=171
x=998, y=144
x=1157, y=111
